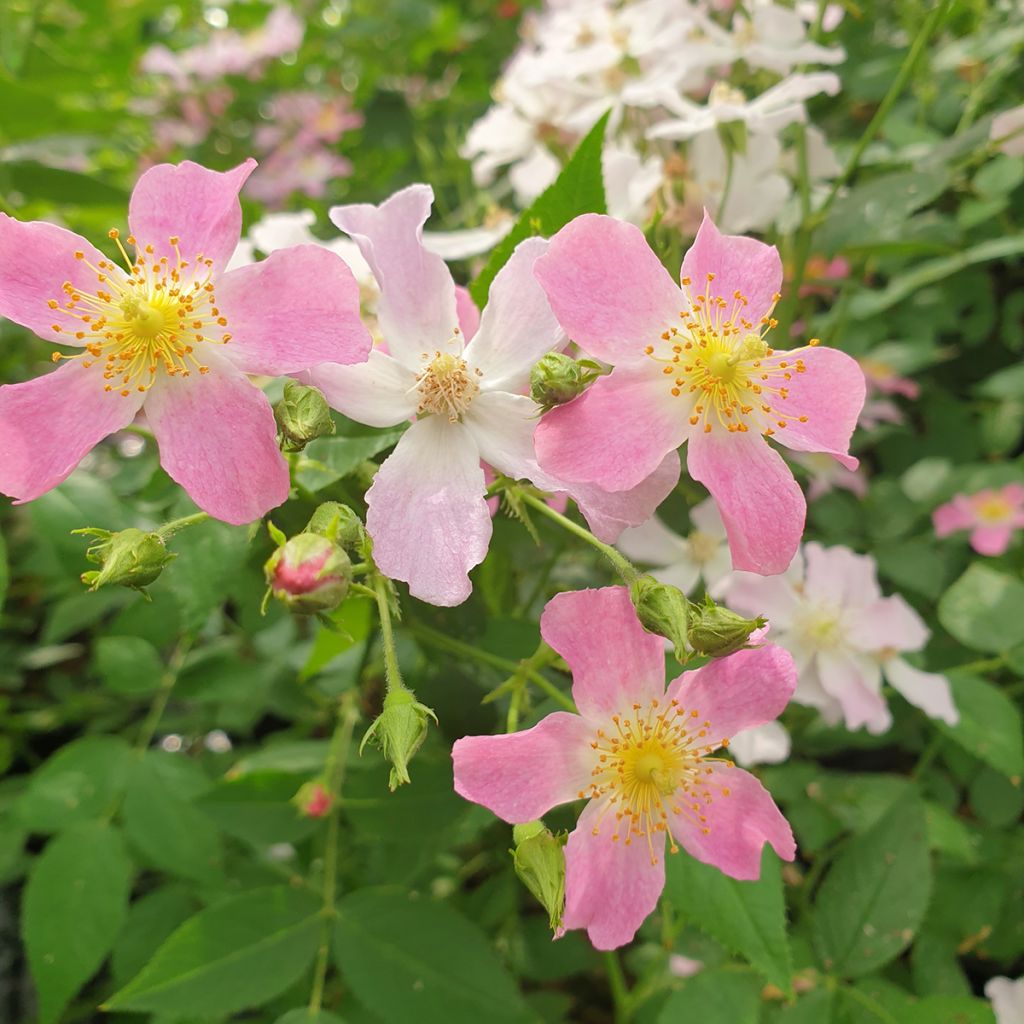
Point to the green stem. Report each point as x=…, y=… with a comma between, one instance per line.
x=619, y=988
x=872, y=1005
x=163, y=694
x=623, y=566
x=392, y=672
x=930, y=752
x=177, y=525
x=337, y=759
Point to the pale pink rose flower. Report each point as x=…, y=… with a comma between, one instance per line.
x=827, y=475
x=683, y=562
x=829, y=613
x=464, y=388
x=643, y=757
x=1007, y=999
x=992, y=516
x=692, y=365
x=683, y=966
x=175, y=334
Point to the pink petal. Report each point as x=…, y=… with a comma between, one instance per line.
x=380, y=392
x=610, y=886
x=616, y=434
x=608, y=513
x=738, y=824
x=738, y=692
x=1014, y=494
x=49, y=424
x=957, y=514
x=522, y=775
x=609, y=291
x=856, y=682
x=36, y=258
x=839, y=576
x=829, y=393
x=991, y=540
x=417, y=309
x=198, y=206
x=468, y=314
x=771, y=596
x=925, y=690
x=517, y=326
x=739, y=264
x=761, y=504
x=502, y=425
x=614, y=662
x=217, y=439
x=887, y=622
x=296, y=308
x=426, y=511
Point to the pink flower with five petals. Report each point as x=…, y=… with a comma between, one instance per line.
x=992, y=516
x=171, y=333
x=692, y=365
x=643, y=757
x=460, y=375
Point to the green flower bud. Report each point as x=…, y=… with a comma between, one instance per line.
x=302, y=416
x=662, y=609
x=540, y=864
x=309, y=574
x=718, y=632
x=339, y=524
x=399, y=730
x=557, y=379
x=133, y=558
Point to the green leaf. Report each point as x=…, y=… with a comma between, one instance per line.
x=328, y=459
x=748, y=918
x=577, y=190
x=127, y=664
x=982, y=609
x=715, y=997
x=80, y=783
x=416, y=960
x=949, y=1010
x=990, y=724
x=304, y=1016
x=60, y=186
x=172, y=834
x=353, y=620
x=233, y=955
x=876, y=893
x=74, y=905
x=150, y=922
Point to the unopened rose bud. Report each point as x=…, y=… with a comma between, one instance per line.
x=662, y=609
x=309, y=573
x=399, y=731
x=302, y=416
x=718, y=632
x=132, y=558
x=313, y=800
x=338, y=523
x=557, y=379
x=540, y=864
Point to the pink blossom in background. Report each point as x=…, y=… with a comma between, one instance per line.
x=173, y=333
x=827, y=475
x=992, y=516
x=822, y=276
x=829, y=613
x=883, y=380
x=692, y=366
x=643, y=758
x=427, y=512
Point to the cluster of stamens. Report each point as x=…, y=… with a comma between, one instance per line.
x=655, y=764
x=718, y=359
x=150, y=320
x=446, y=385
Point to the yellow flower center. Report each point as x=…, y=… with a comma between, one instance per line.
x=721, y=362
x=655, y=763
x=152, y=320
x=446, y=386
x=994, y=509
x=820, y=628
x=703, y=546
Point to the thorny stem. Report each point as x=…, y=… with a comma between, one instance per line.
x=623, y=566
x=392, y=672
x=337, y=758
x=177, y=525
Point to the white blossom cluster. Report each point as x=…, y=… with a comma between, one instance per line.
x=700, y=93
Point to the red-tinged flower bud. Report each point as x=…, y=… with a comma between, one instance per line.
x=313, y=800
x=309, y=574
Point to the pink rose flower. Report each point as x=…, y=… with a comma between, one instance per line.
x=643, y=758
x=460, y=375
x=173, y=333
x=829, y=613
x=991, y=515
x=692, y=365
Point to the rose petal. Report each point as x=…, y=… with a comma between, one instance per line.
x=380, y=392
x=840, y=577
x=957, y=514
x=856, y=682
x=991, y=540
x=468, y=314
x=887, y=622
x=925, y=690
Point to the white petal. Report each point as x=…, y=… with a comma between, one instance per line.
x=926, y=690
x=380, y=392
